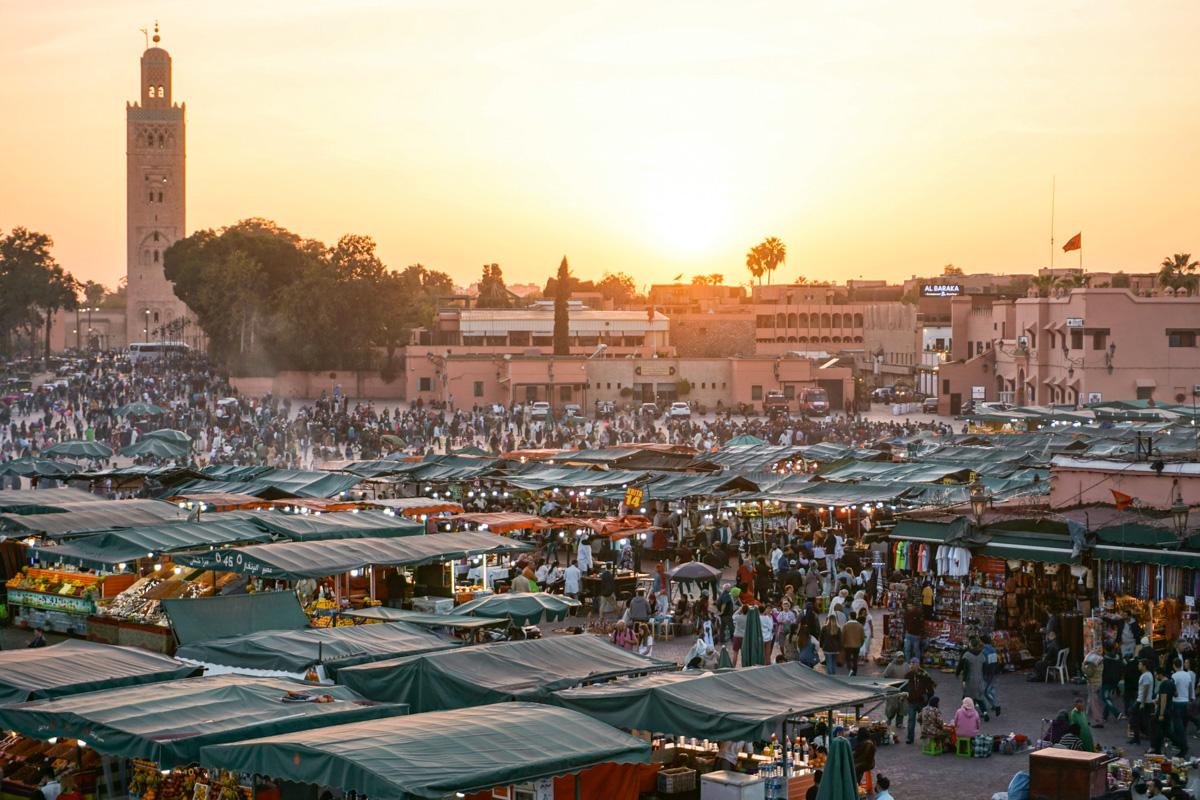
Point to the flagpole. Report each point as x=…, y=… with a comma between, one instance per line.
x=1053, y=182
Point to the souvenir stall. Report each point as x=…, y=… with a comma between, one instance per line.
x=1003, y=586
x=1138, y=575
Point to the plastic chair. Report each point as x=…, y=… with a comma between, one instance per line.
x=963, y=749
x=1060, y=667
x=932, y=747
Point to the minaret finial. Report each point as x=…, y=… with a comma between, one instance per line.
x=157, y=38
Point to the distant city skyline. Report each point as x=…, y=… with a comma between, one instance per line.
x=878, y=142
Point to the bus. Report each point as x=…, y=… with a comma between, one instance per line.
x=153, y=351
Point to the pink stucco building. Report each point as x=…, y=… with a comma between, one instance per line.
x=1085, y=346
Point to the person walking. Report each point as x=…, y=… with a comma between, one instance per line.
x=913, y=627
x=991, y=668
x=1111, y=672
x=970, y=670
x=1177, y=713
x=853, y=636
x=920, y=688
x=895, y=708
x=831, y=643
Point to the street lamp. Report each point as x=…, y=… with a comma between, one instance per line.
x=1179, y=515
x=979, y=501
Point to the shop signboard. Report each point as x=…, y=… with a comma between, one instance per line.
x=941, y=289
x=1074, y=322
x=978, y=392
x=1095, y=397
x=634, y=497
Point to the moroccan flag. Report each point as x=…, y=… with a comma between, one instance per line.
x=1121, y=500
x=1074, y=243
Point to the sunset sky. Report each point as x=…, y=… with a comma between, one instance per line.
x=877, y=139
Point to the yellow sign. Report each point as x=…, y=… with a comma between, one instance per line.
x=633, y=497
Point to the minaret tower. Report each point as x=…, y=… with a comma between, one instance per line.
x=154, y=154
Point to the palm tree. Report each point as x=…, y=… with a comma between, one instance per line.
x=755, y=263
x=1179, y=272
x=1043, y=284
x=1075, y=281
x=774, y=253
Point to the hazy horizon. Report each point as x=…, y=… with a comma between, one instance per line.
x=879, y=141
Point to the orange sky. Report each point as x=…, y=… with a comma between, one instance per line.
x=651, y=138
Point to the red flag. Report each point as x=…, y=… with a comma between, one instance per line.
x=1121, y=500
x=1074, y=243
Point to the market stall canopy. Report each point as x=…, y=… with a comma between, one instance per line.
x=127, y=545
x=415, y=506
x=46, y=501
x=292, y=652
x=79, y=448
x=334, y=557
x=157, y=448
x=1015, y=540
x=170, y=724
x=440, y=469
x=31, y=466
x=536, y=477
x=222, y=501
x=611, y=527
x=111, y=514
x=747, y=457
x=500, y=521
x=683, y=485
x=385, y=614
x=273, y=484
x=170, y=435
x=339, y=525
x=75, y=666
x=202, y=619
x=435, y=755
x=492, y=673
x=636, y=456
x=745, y=439
x=524, y=608
x=743, y=704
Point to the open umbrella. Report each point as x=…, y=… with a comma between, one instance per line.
x=30, y=466
x=392, y=438
x=170, y=435
x=752, y=640
x=140, y=409
x=79, y=448
x=696, y=572
x=837, y=781
x=521, y=608
x=155, y=447
x=724, y=661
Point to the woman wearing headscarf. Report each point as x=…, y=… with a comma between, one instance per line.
x=966, y=720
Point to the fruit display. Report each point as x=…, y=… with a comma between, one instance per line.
x=22, y=760
x=187, y=783
x=141, y=602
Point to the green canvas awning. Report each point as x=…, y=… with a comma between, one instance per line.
x=1015, y=540
x=492, y=673
x=105, y=516
x=1188, y=559
x=339, y=525
x=677, y=486
x=739, y=704
x=385, y=614
x=294, y=651
x=45, y=501
x=75, y=666
x=436, y=755
x=541, y=476
x=146, y=541
x=202, y=619
x=335, y=557
x=170, y=723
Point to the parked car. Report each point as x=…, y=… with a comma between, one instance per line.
x=679, y=410
x=649, y=410
x=572, y=411
x=605, y=409
x=929, y=405
x=883, y=394
x=539, y=410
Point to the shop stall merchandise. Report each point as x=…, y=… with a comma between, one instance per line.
x=23, y=759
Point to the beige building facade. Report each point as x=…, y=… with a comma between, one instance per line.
x=1085, y=346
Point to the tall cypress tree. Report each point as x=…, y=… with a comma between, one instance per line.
x=562, y=293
